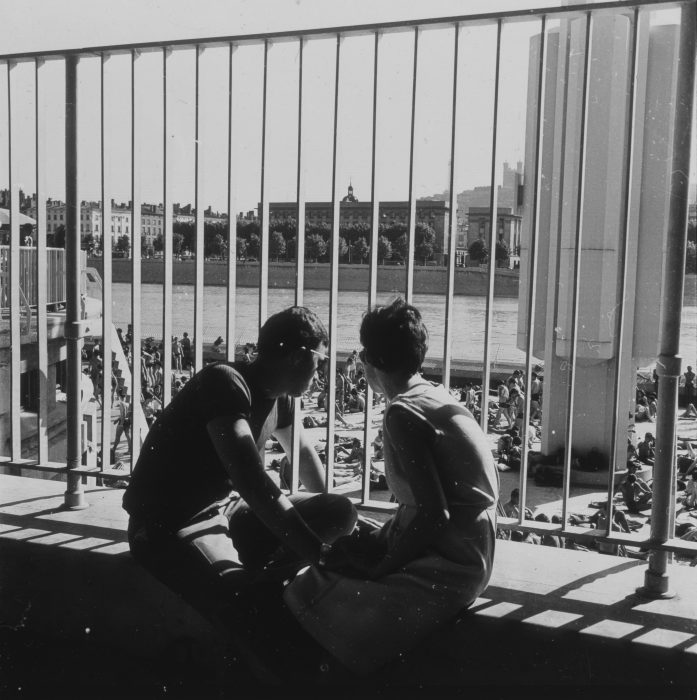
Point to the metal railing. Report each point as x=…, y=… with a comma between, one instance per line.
x=28, y=275
x=572, y=154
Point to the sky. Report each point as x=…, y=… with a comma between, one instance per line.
x=61, y=24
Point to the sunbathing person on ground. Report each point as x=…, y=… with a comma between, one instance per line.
x=381, y=592
x=636, y=493
x=548, y=539
x=599, y=521
x=200, y=500
x=690, y=411
x=512, y=507
x=645, y=449
x=642, y=412
x=352, y=457
x=691, y=492
x=377, y=446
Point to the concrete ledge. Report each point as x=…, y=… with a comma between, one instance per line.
x=76, y=613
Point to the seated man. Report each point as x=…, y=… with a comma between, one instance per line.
x=512, y=507
x=200, y=500
x=356, y=403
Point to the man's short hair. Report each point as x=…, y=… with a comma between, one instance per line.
x=394, y=337
x=289, y=330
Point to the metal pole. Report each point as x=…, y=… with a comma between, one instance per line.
x=74, y=497
x=299, y=265
x=411, y=220
x=493, y=209
x=669, y=365
x=452, y=235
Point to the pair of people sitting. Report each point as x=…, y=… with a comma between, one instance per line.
x=207, y=520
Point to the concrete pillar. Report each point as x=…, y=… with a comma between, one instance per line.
x=602, y=223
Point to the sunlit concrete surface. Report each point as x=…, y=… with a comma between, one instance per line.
x=70, y=590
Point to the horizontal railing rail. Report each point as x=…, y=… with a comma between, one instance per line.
x=553, y=9
x=560, y=192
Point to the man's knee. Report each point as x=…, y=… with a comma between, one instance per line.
x=343, y=512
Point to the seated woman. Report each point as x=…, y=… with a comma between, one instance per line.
x=378, y=593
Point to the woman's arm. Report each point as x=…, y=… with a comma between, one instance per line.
x=411, y=440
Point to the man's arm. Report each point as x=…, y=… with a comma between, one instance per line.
x=311, y=468
x=237, y=451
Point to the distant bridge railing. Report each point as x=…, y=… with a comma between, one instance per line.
x=54, y=276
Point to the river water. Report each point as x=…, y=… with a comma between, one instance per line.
x=469, y=315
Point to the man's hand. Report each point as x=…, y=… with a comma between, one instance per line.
x=237, y=451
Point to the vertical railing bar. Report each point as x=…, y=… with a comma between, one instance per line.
x=14, y=285
x=74, y=496
x=136, y=413
x=264, y=213
x=493, y=208
x=532, y=287
x=300, y=191
x=669, y=361
x=561, y=208
x=334, y=282
x=373, y=266
x=618, y=410
x=41, y=265
x=231, y=299
x=299, y=264
x=200, y=226
x=452, y=236
x=411, y=217
x=167, y=237
x=577, y=269
x=107, y=323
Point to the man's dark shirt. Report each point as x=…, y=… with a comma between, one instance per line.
x=178, y=473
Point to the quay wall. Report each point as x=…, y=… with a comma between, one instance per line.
x=469, y=281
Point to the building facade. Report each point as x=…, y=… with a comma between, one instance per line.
x=433, y=212
x=473, y=207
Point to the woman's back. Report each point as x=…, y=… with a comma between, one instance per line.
x=463, y=461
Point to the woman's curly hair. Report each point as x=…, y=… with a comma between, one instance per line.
x=394, y=337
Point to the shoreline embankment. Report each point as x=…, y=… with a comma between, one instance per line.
x=469, y=281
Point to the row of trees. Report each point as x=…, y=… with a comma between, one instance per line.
x=479, y=252
x=354, y=240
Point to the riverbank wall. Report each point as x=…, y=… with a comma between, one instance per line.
x=469, y=281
